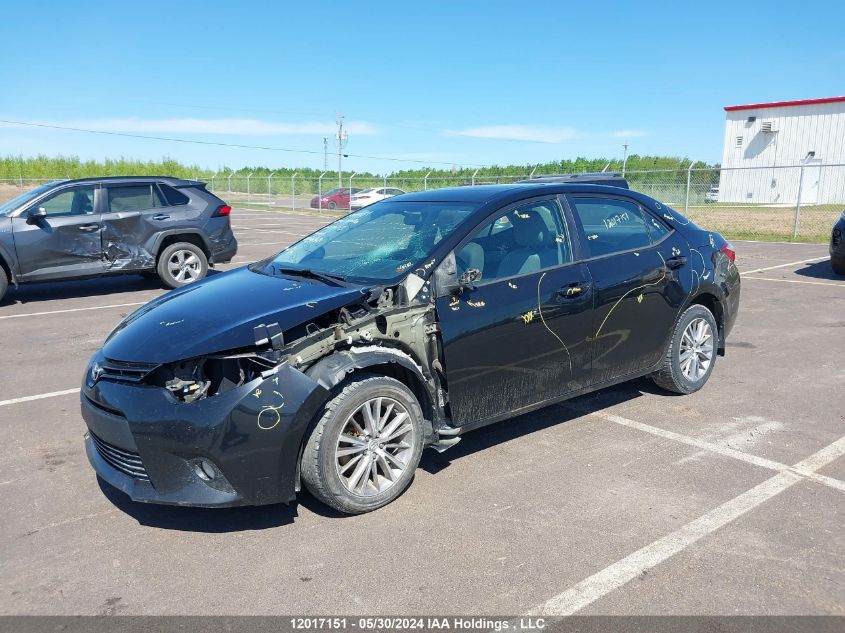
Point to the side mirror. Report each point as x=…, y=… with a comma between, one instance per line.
x=33, y=216
x=466, y=281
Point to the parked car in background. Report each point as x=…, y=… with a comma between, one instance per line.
x=368, y=196
x=712, y=195
x=335, y=199
x=398, y=327
x=837, y=246
x=156, y=226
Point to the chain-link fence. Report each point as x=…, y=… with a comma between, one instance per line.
x=792, y=203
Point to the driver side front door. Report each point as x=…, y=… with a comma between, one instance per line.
x=521, y=337
x=64, y=243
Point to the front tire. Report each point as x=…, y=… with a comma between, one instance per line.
x=691, y=356
x=332, y=205
x=363, y=451
x=181, y=264
x=838, y=264
x=4, y=283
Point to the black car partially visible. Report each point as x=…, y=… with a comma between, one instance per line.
x=837, y=246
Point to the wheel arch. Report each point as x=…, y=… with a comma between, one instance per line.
x=174, y=237
x=335, y=370
x=711, y=300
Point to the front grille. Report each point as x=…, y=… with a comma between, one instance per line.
x=124, y=372
x=125, y=461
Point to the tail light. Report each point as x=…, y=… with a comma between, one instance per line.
x=222, y=210
x=728, y=249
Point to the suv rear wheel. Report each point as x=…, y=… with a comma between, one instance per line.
x=4, y=283
x=181, y=263
x=364, y=450
x=691, y=355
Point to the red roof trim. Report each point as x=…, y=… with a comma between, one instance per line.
x=783, y=104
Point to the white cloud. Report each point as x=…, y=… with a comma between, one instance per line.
x=238, y=127
x=519, y=133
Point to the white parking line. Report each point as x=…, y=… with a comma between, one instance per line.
x=803, y=261
x=114, y=305
x=798, y=281
x=623, y=571
x=39, y=396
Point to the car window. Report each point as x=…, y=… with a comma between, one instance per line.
x=172, y=196
x=517, y=242
x=657, y=229
x=133, y=198
x=611, y=225
x=77, y=201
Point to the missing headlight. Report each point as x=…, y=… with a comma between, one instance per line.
x=200, y=378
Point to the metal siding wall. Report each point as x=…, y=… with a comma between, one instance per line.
x=800, y=129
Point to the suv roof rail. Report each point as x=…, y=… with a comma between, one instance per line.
x=603, y=178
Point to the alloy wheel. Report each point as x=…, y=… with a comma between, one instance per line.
x=696, y=349
x=374, y=446
x=184, y=266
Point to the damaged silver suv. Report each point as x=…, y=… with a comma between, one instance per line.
x=154, y=226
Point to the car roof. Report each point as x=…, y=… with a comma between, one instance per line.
x=506, y=193
x=169, y=180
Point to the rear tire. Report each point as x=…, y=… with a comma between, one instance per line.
x=838, y=264
x=356, y=462
x=4, y=283
x=181, y=264
x=691, y=356
x=332, y=205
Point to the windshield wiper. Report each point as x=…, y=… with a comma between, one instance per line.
x=307, y=272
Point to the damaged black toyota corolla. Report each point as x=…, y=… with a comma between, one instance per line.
x=399, y=327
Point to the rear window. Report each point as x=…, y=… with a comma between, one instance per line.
x=172, y=196
x=133, y=198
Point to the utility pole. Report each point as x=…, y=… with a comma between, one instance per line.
x=342, y=139
x=624, y=157
x=325, y=153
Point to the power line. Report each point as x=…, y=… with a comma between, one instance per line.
x=219, y=144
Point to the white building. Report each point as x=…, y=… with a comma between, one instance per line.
x=767, y=144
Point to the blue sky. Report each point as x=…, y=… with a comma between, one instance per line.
x=464, y=83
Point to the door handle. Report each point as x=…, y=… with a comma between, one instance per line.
x=161, y=216
x=573, y=289
x=89, y=227
x=676, y=262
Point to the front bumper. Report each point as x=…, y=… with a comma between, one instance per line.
x=146, y=443
x=837, y=239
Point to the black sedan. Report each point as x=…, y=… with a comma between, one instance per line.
x=400, y=327
x=837, y=246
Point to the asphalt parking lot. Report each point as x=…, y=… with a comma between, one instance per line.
x=627, y=501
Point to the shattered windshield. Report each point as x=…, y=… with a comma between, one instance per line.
x=17, y=201
x=377, y=243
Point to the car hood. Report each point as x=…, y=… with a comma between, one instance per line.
x=219, y=314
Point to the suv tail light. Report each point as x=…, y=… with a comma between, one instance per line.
x=728, y=249
x=223, y=209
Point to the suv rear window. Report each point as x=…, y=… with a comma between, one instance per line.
x=133, y=198
x=173, y=197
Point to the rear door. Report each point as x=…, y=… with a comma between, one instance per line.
x=133, y=213
x=521, y=336
x=634, y=260
x=65, y=243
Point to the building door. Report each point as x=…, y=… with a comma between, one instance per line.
x=810, y=177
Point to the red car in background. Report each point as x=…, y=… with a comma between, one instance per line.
x=335, y=199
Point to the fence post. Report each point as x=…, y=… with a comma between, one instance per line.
x=384, y=181
x=230, y=181
x=293, y=190
x=798, y=203
x=212, y=182
x=248, y=176
x=425, y=181
x=320, y=193
x=350, y=190
x=269, y=189
x=531, y=175
x=473, y=177
x=686, y=199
